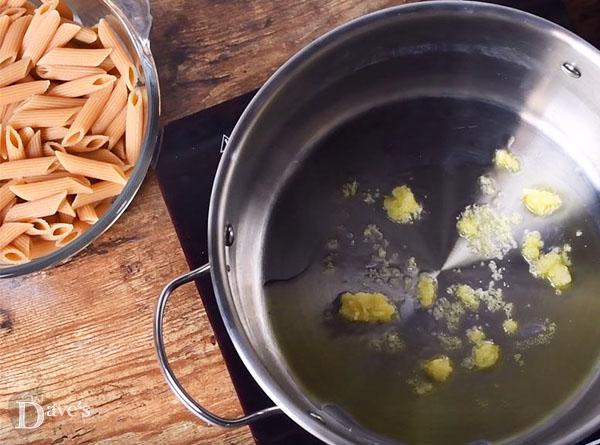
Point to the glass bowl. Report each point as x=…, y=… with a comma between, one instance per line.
x=132, y=20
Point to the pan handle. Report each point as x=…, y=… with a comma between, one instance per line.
x=187, y=400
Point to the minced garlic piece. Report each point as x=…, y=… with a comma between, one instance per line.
x=401, y=206
x=366, y=307
x=505, y=160
x=541, y=202
x=476, y=335
x=554, y=266
x=438, y=369
x=426, y=290
x=485, y=355
x=532, y=246
x=510, y=326
x=466, y=295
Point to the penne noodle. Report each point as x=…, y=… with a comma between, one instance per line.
x=87, y=214
x=42, y=101
x=63, y=35
x=58, y=231
x=10, y=231
x=27, y=167
x=89, y=143
x=14, y=145
x=40, y=247
x=63, y=9
x=119, y=150
x=119, y=54
x=38, y=16
x=35, y=209
x=104, y=155
x=13, y=13
x=22, y=91
x=6, y=195
x=14, y=3
x=53, y=133
x=83, y=86
x=91, y=168
x=8, y=112
x=12, y=41
x=33, y=149
x=87, y=116
x=3, y=153
x=30, y=7
x=14, y=72
x=5, y=22
x=4, y=211
x=13, y=255
x=23, y=243
x=103, y=207
x=86, y=35
x=38, y=190
x=100, y=191
x=65, y=72
x=39, y=226
x=42, y=36
x=26, y=134
x=27, y=78
x=65, y=218
x=75, y=57
x=66, y=209
x=79, y=228
x=134, y=125
x=107, y=65
x=54, y=117
x=116, y=129
x=56, y=175
x=116, y=102
x=51, y=147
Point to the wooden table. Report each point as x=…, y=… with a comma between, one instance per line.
x=82, y=332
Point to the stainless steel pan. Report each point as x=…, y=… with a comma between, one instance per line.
x=420, y=94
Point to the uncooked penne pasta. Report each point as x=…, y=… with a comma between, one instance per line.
x=14, y=145
x=75, y=57
x=27, y=167
x=91, y=168
x=66, y=73
x=9, y=231
x=40, y=247
x=12, y=41
x=79, y=228
x=83, y=86
x=23, y=243
x=134, y=125
x=119, y=55
x=104, y=155
x=22, y=91
x=6, y=195
x=4, y=211
x=103, y=207
x=58, y=231
x=38, y=190
x=13, y=13
x=52, y=117
x=51, y=147
x=108, y=65
x=53, y=133
x=63, y=8
x=39, y=226
x=100, y=191
x=116, y=129
x=40, y=208
x=87, y=214
x=89, y=143
x=68, y=219
x=42, y=101
x=115, y=103
x=26, y=134
x=63, y=35
x=38, y=16
x=14, y=72
x=66, y=209
x=119, y=150
x=86, y=35
x=56, y=175
x=14, y=3
x=41, y=37
x=87, y=116
x=12, y=255
x=5, y=22
x=33, y=149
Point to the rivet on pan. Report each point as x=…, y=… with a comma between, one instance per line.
x=316, y=416
x=229, y=235
x=571, y=70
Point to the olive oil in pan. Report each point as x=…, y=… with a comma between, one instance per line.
x=374, y=371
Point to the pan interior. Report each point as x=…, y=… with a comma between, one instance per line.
x=316, y=248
